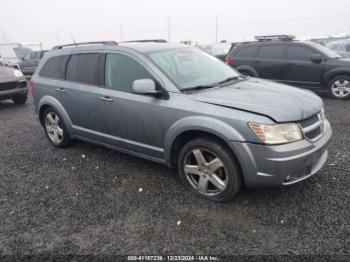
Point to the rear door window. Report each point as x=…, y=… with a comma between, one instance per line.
x=245, y=52
x=54, y=67
x=271, y=52
x=84, y=68
x=299, y=53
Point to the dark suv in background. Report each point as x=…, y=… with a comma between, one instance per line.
x=302, y=64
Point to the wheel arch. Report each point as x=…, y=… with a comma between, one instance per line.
x=333, y=73
x=48, y=101
x=192, y=127
x=247, y=68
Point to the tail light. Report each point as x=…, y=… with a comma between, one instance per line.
x=228, y=60
x=31, y=85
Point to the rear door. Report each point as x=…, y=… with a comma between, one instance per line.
x=300, y=71
x=78, y=93
x=270, y=61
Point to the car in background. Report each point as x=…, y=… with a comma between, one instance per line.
x=19, y=55
x=30, y=61
x=303, y=64
x=219, y=50
x=13, y=85
x=342, y=47
x=11, y=54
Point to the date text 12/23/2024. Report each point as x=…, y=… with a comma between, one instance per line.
x=173, y=258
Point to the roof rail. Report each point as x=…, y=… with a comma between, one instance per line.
x=147, y=41
x=85, y=43
x=275, y=37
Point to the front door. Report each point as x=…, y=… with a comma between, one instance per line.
x=300, y=70
x=129, y=121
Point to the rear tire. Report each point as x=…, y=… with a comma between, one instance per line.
x=339, y=87
x=19, y=98
x=55, y=128
x=208, y=168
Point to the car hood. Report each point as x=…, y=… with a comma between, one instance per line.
x=343, y=62
x=22, y=51
x=280, y=102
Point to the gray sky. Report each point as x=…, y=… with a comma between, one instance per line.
x=52, y=22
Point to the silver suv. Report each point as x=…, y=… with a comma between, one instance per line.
x=179, y=106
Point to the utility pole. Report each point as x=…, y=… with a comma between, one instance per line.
x=168, y=29
x=216, y=29
x=3, y=34
x=72, y=36
x=121, y=33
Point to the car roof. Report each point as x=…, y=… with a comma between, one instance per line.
x=142, y=47
x=258, y=43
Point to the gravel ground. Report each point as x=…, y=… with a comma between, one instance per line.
x=87, y=200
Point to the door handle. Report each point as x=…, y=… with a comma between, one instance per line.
x=62, y=90
x=106, y=98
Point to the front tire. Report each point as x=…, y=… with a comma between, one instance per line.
x=339, y=87
x=247, y=73
x=209, y=169
x=19, y=98
x=55, y=128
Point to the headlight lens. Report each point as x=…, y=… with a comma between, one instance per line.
x=277, y=134
x=17, y=73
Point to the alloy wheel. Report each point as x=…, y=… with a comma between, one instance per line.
x=54, y=128
x=206, y=172
x=341, y=88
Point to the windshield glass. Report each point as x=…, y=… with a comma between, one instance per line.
x=326, y=51
x=191, y=67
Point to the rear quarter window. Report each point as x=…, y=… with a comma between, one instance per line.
x=245, y=52
x=54, y=67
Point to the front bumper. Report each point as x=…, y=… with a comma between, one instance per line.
x=264, y=165
x=11, y=88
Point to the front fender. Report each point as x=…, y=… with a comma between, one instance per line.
x=53, y=102
x=203, y=124
x=337, y=71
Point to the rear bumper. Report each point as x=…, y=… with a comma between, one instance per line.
x=283, y=164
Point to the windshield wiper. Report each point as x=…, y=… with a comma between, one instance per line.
x=200, y=87
x=229, y=79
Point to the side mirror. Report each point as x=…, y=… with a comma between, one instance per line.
x=316, y=58
x=145, y=87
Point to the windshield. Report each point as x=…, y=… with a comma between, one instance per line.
x=339, y=46
x=326, y=51
x=192, y=67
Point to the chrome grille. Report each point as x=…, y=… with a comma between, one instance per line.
x=313, y=127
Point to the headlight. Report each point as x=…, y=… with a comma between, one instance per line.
x=17, y=73
x=277, y=134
